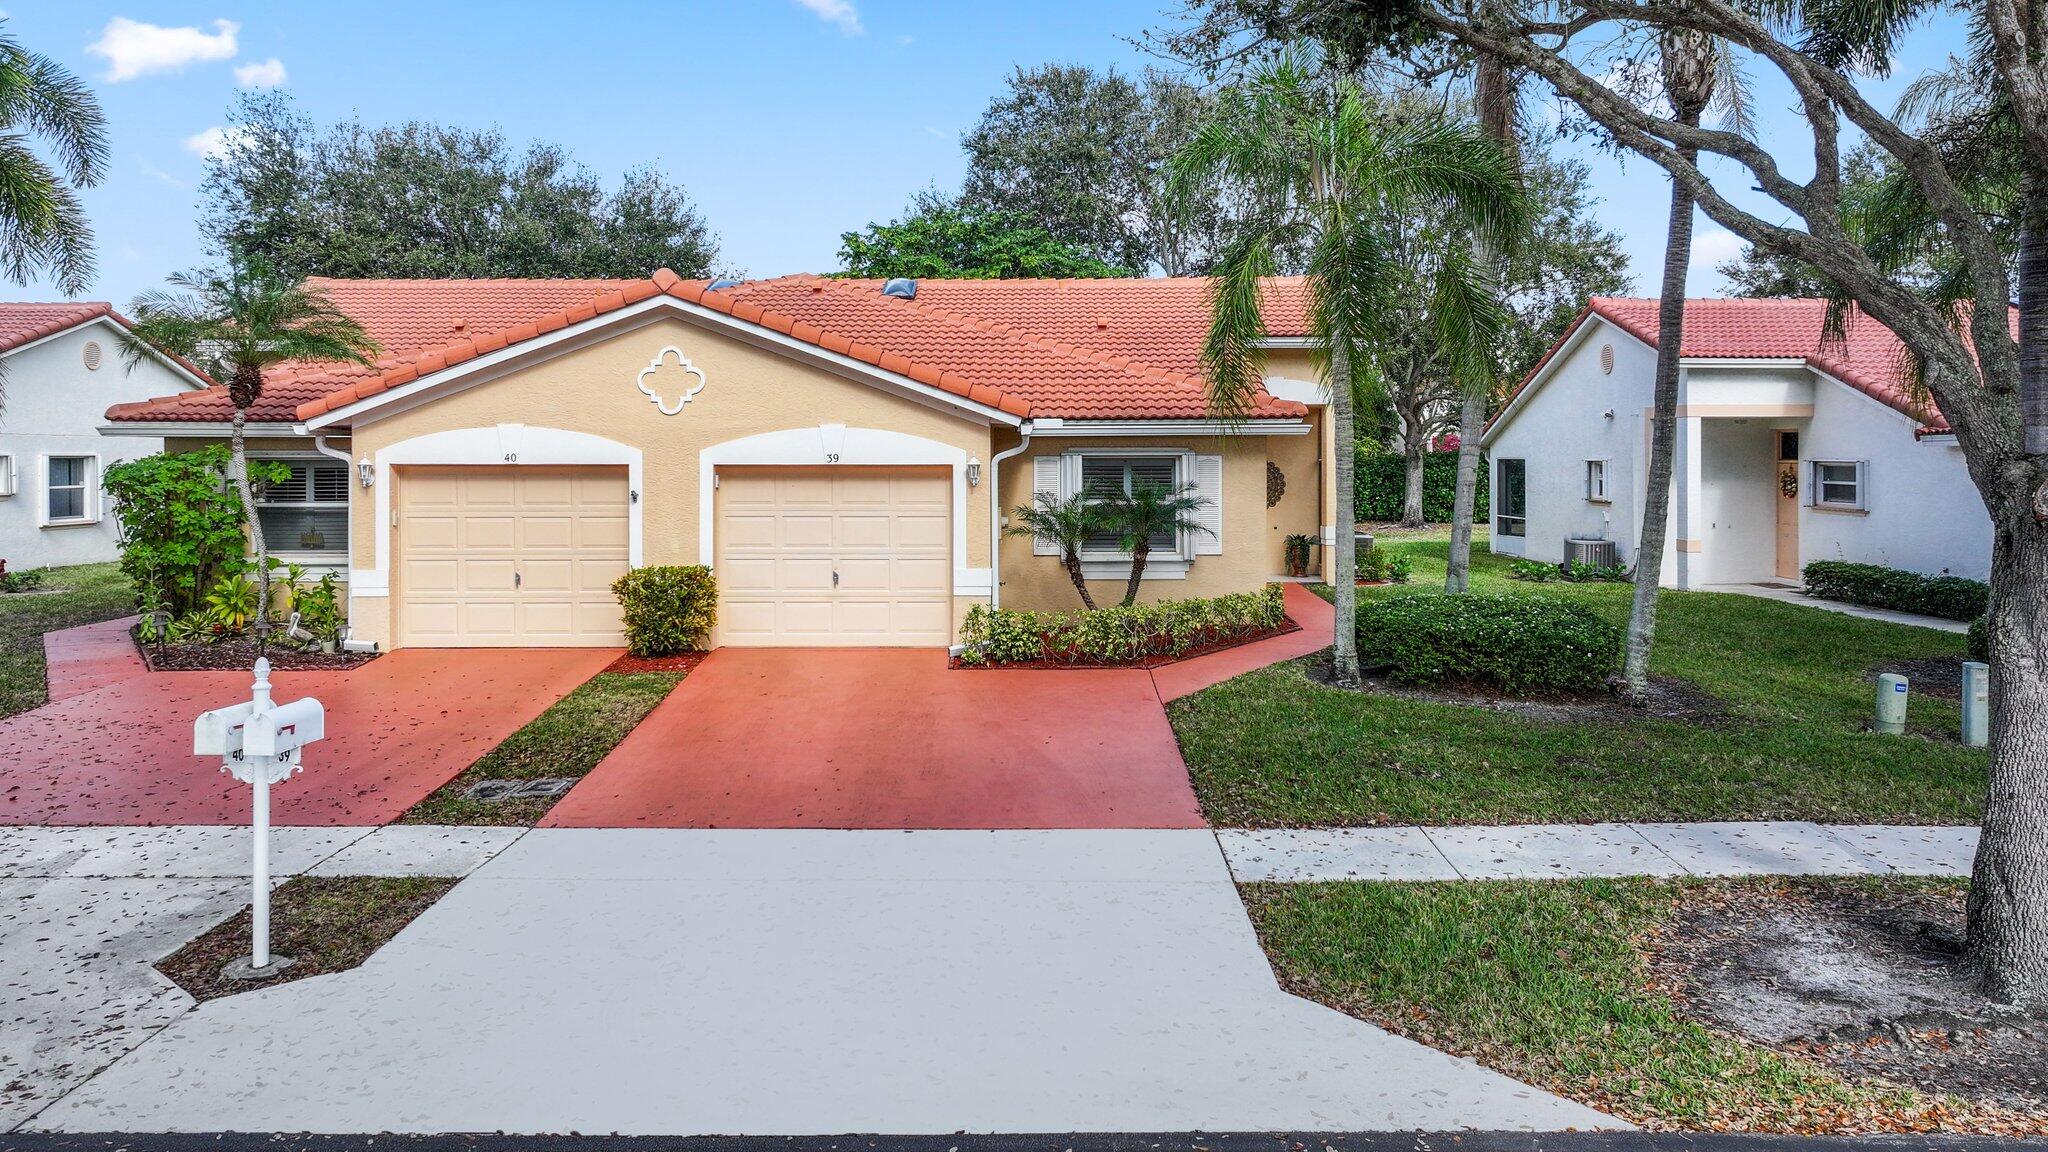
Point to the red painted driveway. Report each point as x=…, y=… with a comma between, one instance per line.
x=397, y=728
x=891, y=738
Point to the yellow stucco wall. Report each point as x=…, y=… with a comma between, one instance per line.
x=1300, y=508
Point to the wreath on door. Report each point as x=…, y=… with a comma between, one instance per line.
x=1788, y=483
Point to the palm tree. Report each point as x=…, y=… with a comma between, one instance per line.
x=42, y=226
x=1150, y=510
x=1065, y=525
x=1342, y=176
x=1698, y=71
x=234, y=325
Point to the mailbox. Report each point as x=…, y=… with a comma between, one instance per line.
x=285, y=728
x=220, y=732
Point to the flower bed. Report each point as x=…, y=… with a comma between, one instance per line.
x=238, y=654
x=679, y=662
x=1133, y=636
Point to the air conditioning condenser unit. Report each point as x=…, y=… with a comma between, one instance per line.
x=1591, y=553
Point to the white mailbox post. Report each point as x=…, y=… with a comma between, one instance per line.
x=260, y=743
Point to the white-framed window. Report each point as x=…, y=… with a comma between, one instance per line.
x=1511, y=497
x=1596, y=481
x=70, y=490
x=306, y=514
x=1839, y=484
x=6, y=475
x=1105, y=475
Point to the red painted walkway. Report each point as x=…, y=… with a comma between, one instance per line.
x=90, y=656
x=1316, y=617
x=398, y=728
x=891, y=738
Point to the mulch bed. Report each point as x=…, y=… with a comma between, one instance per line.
x=1286, y=626
x=239, y=655
x=1930, y=675
x=681, y=662
x=1867, y=980
x=1669, y=699
x=324, y=923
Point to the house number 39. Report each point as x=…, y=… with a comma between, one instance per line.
x=831, y=457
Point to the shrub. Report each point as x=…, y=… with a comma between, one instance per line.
x=1517, y=645
x=1381, y=482
x=1876, y=586
x=181, y=523
x=1399, y=568
x=1579, y=573
x=1534, y=571
x=23, y=580
x=668, y=608
x=1980, y=640
x=1122, y=634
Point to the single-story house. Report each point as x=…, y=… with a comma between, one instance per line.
x=842, y=453
x=1793, y=446
x=63, y=366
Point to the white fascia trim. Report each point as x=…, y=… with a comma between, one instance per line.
x=197, y=382
x=1288, y=427
x=1873, y=401
x=160, y=428
x=514, y=357
x=1288, y=342
x=1565, y=350
x=504, y=445
x=1299, y=391
x=836, y=444
x=1156, y=568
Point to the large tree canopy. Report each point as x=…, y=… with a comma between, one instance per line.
x=422, y=200
x=1079, y=152
x=939, y=238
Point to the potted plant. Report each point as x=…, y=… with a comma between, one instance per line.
x=1300, y=546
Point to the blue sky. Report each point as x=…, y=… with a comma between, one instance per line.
x=789, y=121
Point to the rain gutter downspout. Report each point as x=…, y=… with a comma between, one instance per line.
x=995, y=515
x=348, y=643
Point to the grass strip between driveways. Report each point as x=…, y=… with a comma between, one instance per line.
x=85, y=594
x=1273, y=748
x=568, y=739
x=323, y=923
x=1545, y=981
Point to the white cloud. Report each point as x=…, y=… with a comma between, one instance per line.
x=212, y=142
x=837, y=12
x=1641, y=83
x=132, y=48
x=268, y=74
x=159, y=175
x=1712, y=247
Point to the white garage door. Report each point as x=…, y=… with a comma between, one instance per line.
x=835, y=557
x=510, y=556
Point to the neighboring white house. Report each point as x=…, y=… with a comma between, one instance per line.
x=63, y=368
x=1792, y=447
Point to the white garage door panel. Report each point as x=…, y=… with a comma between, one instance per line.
x=503, y=557
x=784, y=532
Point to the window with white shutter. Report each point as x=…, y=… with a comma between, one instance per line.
x=1123, y=475
x=1045, y=480
x=306, y=513
x=1209, y=480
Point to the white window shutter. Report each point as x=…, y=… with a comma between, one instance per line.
x=1209, y=480
x=1045, y=478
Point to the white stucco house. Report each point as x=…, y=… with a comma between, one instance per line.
x=63, y=368
x=1792, y=448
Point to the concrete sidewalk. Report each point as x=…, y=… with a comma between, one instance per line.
x=804, y=982
x=1786, y=594
x=1567, y=851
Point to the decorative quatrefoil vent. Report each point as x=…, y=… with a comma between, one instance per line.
x=681, y=380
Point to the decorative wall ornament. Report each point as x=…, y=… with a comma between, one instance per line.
x=688, y=369
x=1276, y=484
x=1788, y=483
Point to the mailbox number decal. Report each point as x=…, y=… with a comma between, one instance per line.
x=831, y=457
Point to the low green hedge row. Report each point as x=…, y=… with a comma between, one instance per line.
x=668, y=608
x=1874, y=585
x=1517, y=645
x=1117, y=634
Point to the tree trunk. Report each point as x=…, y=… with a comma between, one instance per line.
x=1139, y=556
x=238, y=472
x=1412, y=445
x=1642, y=613
x=1344, y=652
x=1493, y=97
x=2008, y=908
x=1072, y=560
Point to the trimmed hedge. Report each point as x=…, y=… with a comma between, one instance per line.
x=1875, y=586
x=1117, y=634
x=668, y=609
x=1382, y=481
x=1979, y=640
x=1516, y=645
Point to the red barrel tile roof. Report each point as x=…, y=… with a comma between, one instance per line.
x=26, y=323
x=1074, y=349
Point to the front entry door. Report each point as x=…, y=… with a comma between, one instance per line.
x=1788, y=506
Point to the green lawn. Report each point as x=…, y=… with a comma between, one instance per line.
x=85, y=594
x=568, y=739
x=1274, y=749
x=1544, y=981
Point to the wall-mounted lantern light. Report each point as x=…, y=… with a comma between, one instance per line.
x=974, y=472
x=366, y=471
